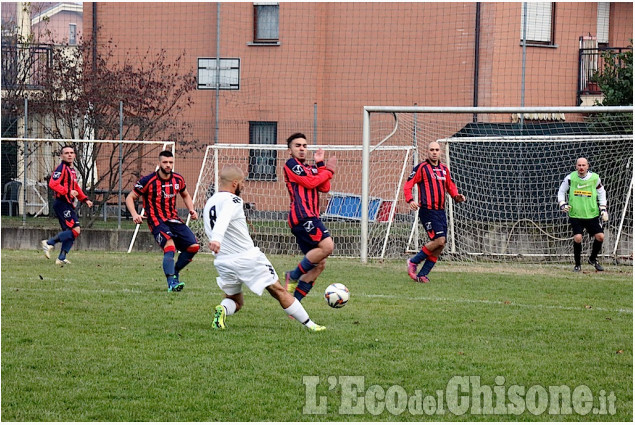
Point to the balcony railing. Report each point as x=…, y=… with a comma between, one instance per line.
x=25, y=66
x=590, y=61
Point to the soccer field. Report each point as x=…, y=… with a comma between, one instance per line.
x=102, y=340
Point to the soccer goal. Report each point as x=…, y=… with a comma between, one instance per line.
x=267, y=199
x=509, y=162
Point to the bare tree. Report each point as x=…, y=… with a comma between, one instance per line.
x=79, y=94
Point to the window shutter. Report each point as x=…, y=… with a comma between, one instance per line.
x=539, y=19
x=603, y=22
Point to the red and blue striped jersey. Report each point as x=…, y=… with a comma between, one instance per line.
x=304, y=182
x=432, y=181
x=159, y=197
x=63, y=180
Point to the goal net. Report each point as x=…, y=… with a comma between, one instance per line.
x=510, y=164
x=267, y=199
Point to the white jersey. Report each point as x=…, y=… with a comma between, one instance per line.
x=225, y=223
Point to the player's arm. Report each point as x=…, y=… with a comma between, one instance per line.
x=562, y=194
x=602, y=201
x=450, y=187
x=305, y=180
x=55, y=182
x=82, y=197
x=130, y=204
x=187, y=198
x=329, y=165
x=409, y=185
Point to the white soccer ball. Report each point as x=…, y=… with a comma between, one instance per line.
x=336, y=295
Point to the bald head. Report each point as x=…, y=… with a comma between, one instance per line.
x=231, y=179
x=582, y=166
x=434, y=152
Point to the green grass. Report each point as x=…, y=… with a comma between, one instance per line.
x=102, y=340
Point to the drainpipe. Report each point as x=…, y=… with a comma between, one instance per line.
x=477, y=43
x=94, y=35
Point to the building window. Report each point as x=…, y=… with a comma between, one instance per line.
x=262, y=162
x=266, y=22
x=540, y=20
x=603, y=23
x=72, y=34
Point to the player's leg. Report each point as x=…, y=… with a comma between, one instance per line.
x=435, y=247
x=311, y=236
x=577, y=230
x=437, y=227
x=292, y=306
x=594, y=227
x=68, y=236
x=186, y=243
x=165, y=239
x=228, y=306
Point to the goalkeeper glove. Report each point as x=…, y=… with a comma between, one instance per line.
x=604, y=214
x=564, y=207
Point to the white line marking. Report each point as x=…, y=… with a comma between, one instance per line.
x=493, y=302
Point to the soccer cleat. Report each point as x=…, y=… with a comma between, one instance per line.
x=577, y=269
x=423, y=279
x=219, y=317
x=174, y=285
x=289, y=284
x=62, y=263
x=47, y=248
x=316, y=328
x=412, y=269
x=597, y=265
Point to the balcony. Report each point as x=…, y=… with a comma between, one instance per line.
x=25, y=66
x=590, y=61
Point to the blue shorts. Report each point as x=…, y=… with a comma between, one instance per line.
x=435, y=223
x=309, y=233
x=177, y=231
x=66, y=214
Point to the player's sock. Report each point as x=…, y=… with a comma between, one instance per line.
x=303, y=267
x=427, y=266
x=230, y=306
x=577, y=253
x=168, y=261
x=597, y=247
x=302, y=289
x=297, y=311
x=421, y=255
x=184, y=259
x=67, y=237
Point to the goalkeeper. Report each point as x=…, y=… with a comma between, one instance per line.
x=585, y=192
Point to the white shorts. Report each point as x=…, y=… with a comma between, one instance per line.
x=251, y=268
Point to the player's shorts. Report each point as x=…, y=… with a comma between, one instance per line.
x=250, y=267
x=592, y=225
x=435, y=223
x=177, y=231
x=66, y=214
x=309, y=233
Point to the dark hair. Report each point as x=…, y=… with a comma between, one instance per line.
x=67, y=146
x=293, y=137
x=167, y=154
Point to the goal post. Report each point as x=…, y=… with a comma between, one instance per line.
x=509, y=162
x=267, y=199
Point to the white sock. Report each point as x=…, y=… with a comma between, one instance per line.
x=230, y=306
x=297, y=311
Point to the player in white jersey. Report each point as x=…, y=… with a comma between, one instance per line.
x=238, y=261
